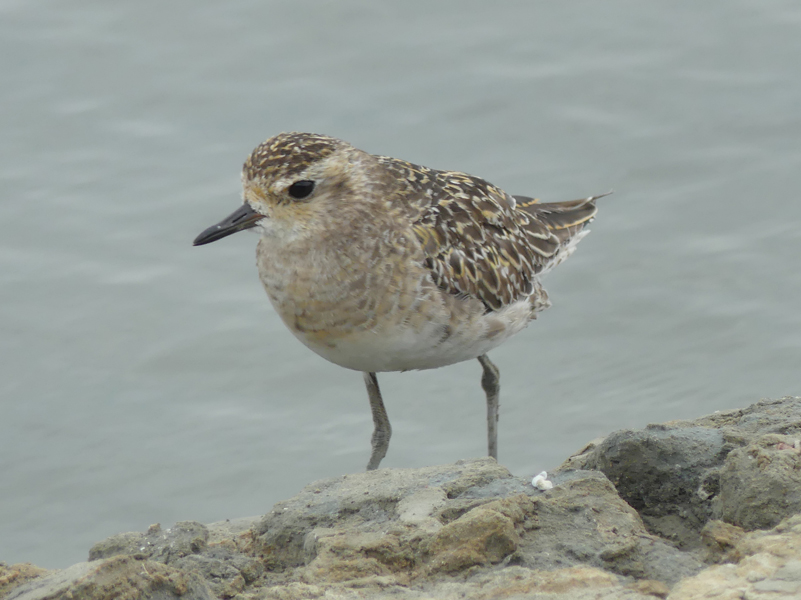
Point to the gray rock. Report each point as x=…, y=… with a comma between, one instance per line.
x=658, y=471
x=185, y=546
x=406, y=523
x=226, y=572
x=471, y=529
x=183, y=539
x=761, y=483
x=681, y=474
x=51, y=584
x=584, y=522
x=371, y=497
x=118, y=577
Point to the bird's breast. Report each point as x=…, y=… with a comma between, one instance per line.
x=379, y=316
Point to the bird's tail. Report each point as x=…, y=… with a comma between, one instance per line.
x=565, y=220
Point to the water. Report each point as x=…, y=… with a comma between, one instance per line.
x=146, y=381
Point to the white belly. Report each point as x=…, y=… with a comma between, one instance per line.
x=400, y=347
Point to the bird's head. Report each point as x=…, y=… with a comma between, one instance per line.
x=294, y=183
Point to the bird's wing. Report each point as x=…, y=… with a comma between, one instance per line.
x=480, y=242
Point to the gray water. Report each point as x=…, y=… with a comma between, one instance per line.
x=144, y=380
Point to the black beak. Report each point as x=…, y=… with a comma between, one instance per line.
x=242, y=218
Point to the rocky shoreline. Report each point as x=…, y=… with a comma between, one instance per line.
x=682, y=510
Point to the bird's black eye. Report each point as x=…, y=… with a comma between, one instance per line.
x=301, y=189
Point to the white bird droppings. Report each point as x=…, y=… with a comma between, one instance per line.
x=541, y=482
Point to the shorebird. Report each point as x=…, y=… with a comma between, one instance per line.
x=377, y=264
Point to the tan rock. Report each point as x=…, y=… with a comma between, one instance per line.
x=650, y=587
x=342, y=555
x=720, y=582
x=15, y=575
x=720, y=540
x=769, y=563
x=418, y=508
x=120, y=577
x=515, y=581
x=783, y=540
x=481, y=537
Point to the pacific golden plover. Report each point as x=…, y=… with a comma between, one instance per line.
x=377, y=264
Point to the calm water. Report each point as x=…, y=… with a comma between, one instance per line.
x=146, y=381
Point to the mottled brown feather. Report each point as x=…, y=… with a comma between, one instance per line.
x=479, y=241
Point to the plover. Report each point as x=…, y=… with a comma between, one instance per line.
x=377, y=264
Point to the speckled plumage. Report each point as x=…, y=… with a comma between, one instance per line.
x=387, y=265
x=481, y=242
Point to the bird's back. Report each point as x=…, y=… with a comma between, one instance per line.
x=480, y=242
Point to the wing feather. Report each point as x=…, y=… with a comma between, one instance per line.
x=479, y=241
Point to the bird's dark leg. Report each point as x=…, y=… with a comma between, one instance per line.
x=491, y=382
x=382, y=430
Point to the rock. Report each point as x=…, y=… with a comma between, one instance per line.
x=186, y=537
x=514, y=582
x=16, y=575
x=720, y=540
x=405, y=524
x=186, y=546
x=472, y=530
x=768, y=566
x=658, y=470
x=740, y=466
x=584, y=521
x=760, y=484
x=373, y=497
x=226, y=572
x=649, y=587
x=484, y=535
x=342, y=555
x=118, y=577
